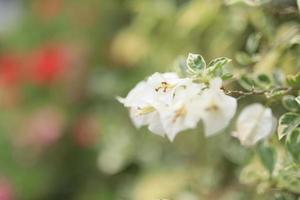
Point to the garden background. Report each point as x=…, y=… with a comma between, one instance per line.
x=63, y=134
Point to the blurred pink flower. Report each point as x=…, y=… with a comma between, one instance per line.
x=42, y=129
x=6, y=191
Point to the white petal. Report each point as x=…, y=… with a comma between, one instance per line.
x=215, y=83
x=255, y=123
x=219, y=118
x=137, y=119
x=174, y=123
x=155, y=125
x=141, y=94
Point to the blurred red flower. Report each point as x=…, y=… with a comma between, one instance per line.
x=9, y=70
x=41, y=129
x=48, y=64
x=10, y=78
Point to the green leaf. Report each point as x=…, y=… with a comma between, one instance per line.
x=267, y=157
x=246, y=82
x=243, y=58
x=195, y=63
x=253, y=42
x=288, y=178
x=278, y=77
x=264, y=78
x=298, y=99
x=290, y=103
x=227, y=76
x=263, y=81
x=216, y=65
x=287, y=123
x=293, y=80
x=298, y=4
x=293, y=144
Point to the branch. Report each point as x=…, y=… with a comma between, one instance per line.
x=241, y=94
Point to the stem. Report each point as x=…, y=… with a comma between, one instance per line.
x=241, y=94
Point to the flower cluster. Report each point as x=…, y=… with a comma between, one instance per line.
x=168, y=104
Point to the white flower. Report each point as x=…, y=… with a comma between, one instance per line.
x=147, y=97
x=142, y=112
x=217, y=108
x=255, y=123
x=168, y=104
x=183, y=112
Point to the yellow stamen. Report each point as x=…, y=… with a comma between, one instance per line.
x=145, y=110
x=179, y=113
x=212, y=107
x=164, y=86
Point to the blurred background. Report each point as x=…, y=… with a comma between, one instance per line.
x=64, y=136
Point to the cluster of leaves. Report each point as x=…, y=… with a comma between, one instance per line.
x=197, y=68
x=288, y=126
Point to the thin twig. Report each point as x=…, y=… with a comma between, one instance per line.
x=241, y=94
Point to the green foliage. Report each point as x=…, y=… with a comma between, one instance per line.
x=197, y=68
x=293, y=144
x=288, y=178
x=267, y=156
x=288, y=122
x=290, y=103
x=195, y=63
x=293, y=80
x=259, y=82
x=253, y=42
x=215, y=68
x=247, y=82
x=243, y=58
x=298, y=99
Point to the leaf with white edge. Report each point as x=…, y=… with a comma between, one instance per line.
x=293, y=144
x=226, y=76
x=287, y=123
x=253, y=42
x=298, y=4
x=246, y=82
x=278, y=78
x=298, y=99
x=215, y=67
x=293, y=80
x=290, y=103
x=263, y=81
x=288, y=178
x=195, y=63
x=267, y=157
